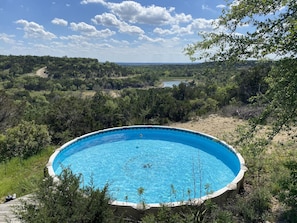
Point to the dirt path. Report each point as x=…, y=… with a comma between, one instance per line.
x=41, y=73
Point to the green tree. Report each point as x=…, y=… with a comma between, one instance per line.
x=25, y=139
x=252, y=82
x=10, y=112
x=274, y=32
x=65, y=201
x=289, y=193
x=68, y=117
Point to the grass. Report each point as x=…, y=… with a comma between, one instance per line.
x=21, y=176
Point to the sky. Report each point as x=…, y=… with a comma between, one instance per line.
x=144, y=31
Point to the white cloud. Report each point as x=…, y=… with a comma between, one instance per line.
x=221, y=6
x=136, y=13
x=195, y=26
x=181, y=31
x=34, y=30
x=90, y=31
x=149, y=39
x=84, y=2
x=7, y=38
x=202, y=24
x=125, y=28
x=161, y=31
x=108, y=19
x=183, y=18
x=60, y=22
x=105, y=33
x=174, y=30
x=82, y=27
x=75, y=38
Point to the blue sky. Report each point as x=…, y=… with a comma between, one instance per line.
x=115, y=31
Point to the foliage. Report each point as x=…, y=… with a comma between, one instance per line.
x=280, y=98
x=10, y=111
x=288, y=194
x=65, y=201
x=68, y=117
x=209, y=212
x=251, y=82
x=268, y=36
x=255, y=206
x=24, y=140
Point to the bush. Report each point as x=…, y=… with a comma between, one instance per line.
x=65, y=201
x=24, y=140
x=254, y=207
x=288, y=193
x=209, y=212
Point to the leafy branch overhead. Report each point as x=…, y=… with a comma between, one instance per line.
x=274, y=32
x=274, y=35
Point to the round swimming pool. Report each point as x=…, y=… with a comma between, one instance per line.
x=152, y=164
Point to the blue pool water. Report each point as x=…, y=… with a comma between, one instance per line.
x=169, y=164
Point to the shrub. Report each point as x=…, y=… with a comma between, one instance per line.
x=66, y=201
x=25, y=140
x=288, y=193
x=208, y=212
x=255, y=206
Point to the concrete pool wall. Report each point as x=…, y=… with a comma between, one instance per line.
x=137, y=209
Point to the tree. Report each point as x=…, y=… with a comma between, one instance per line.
x=252, y=81
x=10, y=112
x=273, y=33
x=65, y=201
x=289, y=193
x=68, y=117
x=25, y=140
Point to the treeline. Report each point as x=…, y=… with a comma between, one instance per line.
x=58, y=67
x=68, y=74
x=202, y=72
x=86, y=74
